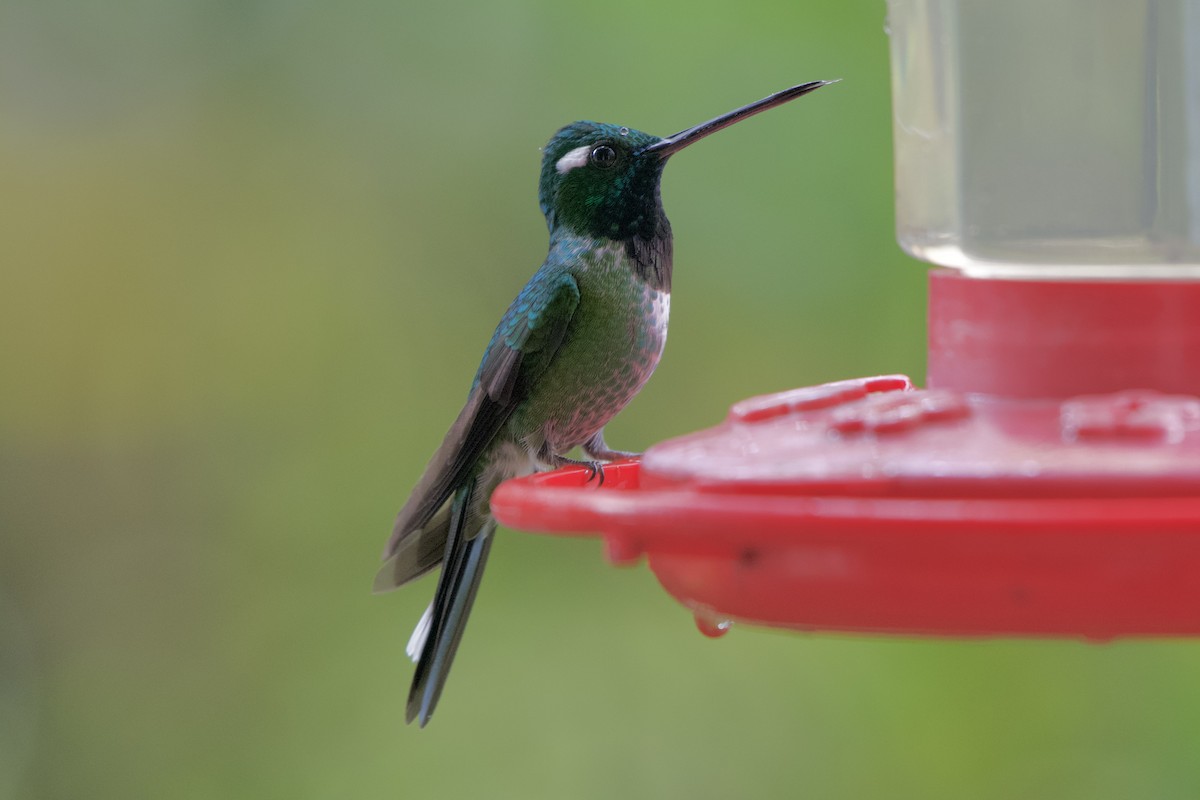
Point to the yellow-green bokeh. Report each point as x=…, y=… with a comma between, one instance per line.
x=249, y=255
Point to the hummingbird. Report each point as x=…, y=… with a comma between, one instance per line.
x=578, y=342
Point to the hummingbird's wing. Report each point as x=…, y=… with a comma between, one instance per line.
x=522, y=347
x=520, y=350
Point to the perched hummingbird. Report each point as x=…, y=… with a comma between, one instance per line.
x=572, y=350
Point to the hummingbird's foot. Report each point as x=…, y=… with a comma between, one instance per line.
x=595, y=471
x=596, y=448
x=595, y=468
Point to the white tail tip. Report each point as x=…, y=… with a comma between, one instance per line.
x=416, y=642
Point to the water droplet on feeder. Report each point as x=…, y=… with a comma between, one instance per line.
x=713, y=627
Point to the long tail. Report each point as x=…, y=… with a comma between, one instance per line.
x=462, y=568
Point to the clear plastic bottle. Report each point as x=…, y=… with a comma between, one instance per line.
x=1048, y=138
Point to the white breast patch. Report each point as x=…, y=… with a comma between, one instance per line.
x=662, y=312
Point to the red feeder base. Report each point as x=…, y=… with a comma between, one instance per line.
x=869, y=505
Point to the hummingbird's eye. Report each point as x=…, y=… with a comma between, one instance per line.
x=604, y=156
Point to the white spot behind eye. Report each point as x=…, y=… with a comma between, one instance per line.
x=575, y=158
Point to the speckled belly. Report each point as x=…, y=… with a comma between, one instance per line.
x=610, y=349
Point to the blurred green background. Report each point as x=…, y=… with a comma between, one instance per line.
x=250, y=254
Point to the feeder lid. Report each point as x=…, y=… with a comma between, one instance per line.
x=871, y=505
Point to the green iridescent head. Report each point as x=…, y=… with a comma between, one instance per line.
x=599, y=180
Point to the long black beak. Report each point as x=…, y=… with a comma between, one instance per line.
x=665, y=147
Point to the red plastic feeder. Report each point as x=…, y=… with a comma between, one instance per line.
x=1018, y=495
x=1047, y=482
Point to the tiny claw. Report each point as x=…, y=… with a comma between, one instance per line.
x=594, y=466
x=595, y=470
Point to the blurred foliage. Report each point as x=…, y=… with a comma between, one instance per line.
x=250, y=253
